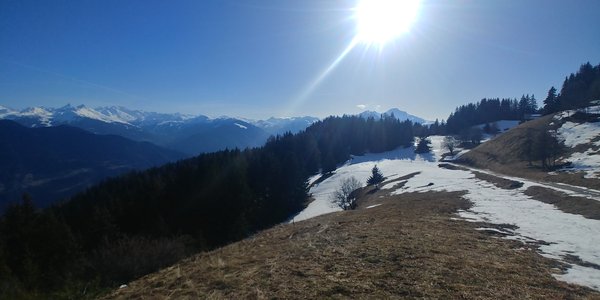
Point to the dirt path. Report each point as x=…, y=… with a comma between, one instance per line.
x=578, y=190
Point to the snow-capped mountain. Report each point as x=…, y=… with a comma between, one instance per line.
x=142, y=118
x=398, y=114
x=191, y=134
x=45, y=117
x=68, y=114
x=5, y=111
x=281, y=125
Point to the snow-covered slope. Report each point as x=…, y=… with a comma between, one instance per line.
x=566, y=234
x=69, y=114
x=5, y=111
x=360, y=168
x=36, y=116
x=281, y=125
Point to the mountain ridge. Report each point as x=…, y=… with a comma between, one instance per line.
x=397, y=113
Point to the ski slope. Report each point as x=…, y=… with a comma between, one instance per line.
x=564, y=234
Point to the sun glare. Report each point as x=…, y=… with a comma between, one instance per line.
x=379, y=21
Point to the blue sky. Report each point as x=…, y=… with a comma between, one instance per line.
x=262, y=58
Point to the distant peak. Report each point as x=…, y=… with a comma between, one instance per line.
x=397, y=113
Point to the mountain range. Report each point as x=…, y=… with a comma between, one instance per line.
x=52, y=153
x=398, y=114
x=189, y=134
x=185, y=133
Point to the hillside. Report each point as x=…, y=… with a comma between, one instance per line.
x=55, y=162
x=514, y=152
x=426, y=233
x=393, y=246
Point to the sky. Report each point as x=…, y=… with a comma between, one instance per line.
x=258, y=59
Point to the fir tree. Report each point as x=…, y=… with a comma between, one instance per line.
x=550, y=103
x=376, y=176
x=423, y=146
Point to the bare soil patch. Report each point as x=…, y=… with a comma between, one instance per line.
x=588, y=208
x=410, y=246
x=452, y=167
x=500, y=182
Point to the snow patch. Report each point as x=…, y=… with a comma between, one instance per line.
x=240, y=126
x=374, y=205
x=575, y=134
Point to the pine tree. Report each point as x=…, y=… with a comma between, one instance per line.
x=423, y=146
x=550, y=104
x=376, y=176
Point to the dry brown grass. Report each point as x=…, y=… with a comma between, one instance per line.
x=408, y=247
x=500, y=182
x=575, y=205
x=506, y=154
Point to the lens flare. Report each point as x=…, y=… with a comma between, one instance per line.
x=379, y=21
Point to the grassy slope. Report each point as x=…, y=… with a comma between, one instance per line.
x=410, y=246
x=506, y=154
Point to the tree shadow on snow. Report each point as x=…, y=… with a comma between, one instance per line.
x=407, y=153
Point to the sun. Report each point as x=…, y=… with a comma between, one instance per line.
x=379, y=21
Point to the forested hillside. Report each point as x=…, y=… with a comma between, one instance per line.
x=135, y=224
x=490, y=110
x=578, y=90
x=51, y=163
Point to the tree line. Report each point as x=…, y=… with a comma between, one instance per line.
x=577, y=91
x=129, y=226
x=490, y=110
